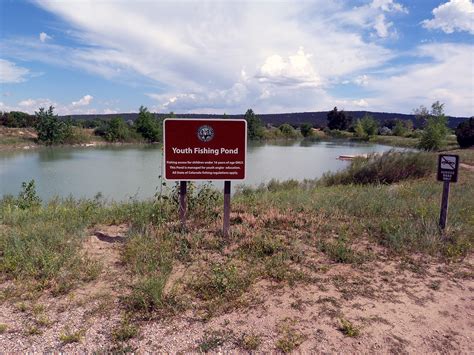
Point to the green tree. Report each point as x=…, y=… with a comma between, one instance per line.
x=306, y=129
x=366, y=127
x=338, y=120
x=254, y=125
x=435, y=130
x=399, y=129
x=465, y=133
x=370, y=125
x=148, y=126
x=51, y=130
x=117, y=130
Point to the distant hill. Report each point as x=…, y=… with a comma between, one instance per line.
x=317, y=119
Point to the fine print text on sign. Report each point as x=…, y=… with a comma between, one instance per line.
x=204, y=149
x=448, y=166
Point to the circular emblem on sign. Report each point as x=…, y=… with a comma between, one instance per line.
x=205, y=133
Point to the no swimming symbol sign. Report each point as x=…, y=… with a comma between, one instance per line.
x=448, y=168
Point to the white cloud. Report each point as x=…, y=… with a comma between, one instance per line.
x=11, y=73
x=446, y=75
x=388, y=6
x=454, y=15
x=221, y=50
x=297, y=70
x=362, y=80
x=43, y=37
x=83, y=101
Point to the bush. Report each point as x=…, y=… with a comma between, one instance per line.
x=17, y=119
x=288, y=131
x=387, y=168
x=28, y=198
x=117, y=130
x=465, y=133
x=366, y=127
x=51, y=130
x=148, y=126
x=306, y=129
x=436, y=130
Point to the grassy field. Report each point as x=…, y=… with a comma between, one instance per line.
x=288, y=234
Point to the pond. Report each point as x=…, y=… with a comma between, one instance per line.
x=122, y=172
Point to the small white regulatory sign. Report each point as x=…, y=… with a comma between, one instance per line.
x=448, y=162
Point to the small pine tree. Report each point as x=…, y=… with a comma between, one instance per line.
x=147, y=125
x=338, y=120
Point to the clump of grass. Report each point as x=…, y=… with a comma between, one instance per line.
x=390, y=167
x=212, y=340
x=348, y=328
x=290, y=338
x=125, y=330
x=68, y=337
x=3, y=328
x=249, y=342
x=223, y=280
x=339, y=251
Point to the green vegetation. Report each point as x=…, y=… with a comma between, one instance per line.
x=307, y=130
x=116, y=130
x=290, y=338
x=255, y=128
x=148, y=126
x=338, y=120
x=390, y=167
x=465, y=133
x=366, y=127
x=51, y=130
x=348, y=328
x=436, y=130
x=17, y=119
x=68, y=337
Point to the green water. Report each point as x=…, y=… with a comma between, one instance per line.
x=123, y=172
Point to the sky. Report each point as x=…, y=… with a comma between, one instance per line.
x=97, y=56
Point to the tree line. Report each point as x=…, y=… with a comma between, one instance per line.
x=148, y=128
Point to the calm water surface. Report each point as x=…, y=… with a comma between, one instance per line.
x=123, y=172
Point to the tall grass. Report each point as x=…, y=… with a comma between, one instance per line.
x=387, y=168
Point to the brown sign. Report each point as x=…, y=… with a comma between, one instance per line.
x=448, y=166
x=204, y=149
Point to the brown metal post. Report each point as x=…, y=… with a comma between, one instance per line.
x=226, y=208
x=182, y=203
x=443, y=216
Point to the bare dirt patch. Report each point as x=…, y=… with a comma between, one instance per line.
x=412, y=305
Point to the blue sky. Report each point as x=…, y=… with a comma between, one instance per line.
x=227, y=56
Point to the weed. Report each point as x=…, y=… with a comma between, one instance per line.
x=33, y=330
x=250, y=341
x=3, y=328
x=348, y=329
x=125, y=330
x=212, y=340
x=435, y=285
x=68, y=337
x=290, y=338
x=222, y=281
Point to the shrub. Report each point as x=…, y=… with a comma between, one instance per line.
x=51, y=130
x=148, y=126
x=435, y=131
x=387, y=168
x=465, y=133
x=288, y=131
x=117, y=130
x=306, y=129
x=17, y=119
x=28, y=198
x=254, y=125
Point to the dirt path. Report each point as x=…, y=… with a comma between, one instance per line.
x=467, y=166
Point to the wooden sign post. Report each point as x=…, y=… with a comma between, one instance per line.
x=448, y=166
x=204, y=150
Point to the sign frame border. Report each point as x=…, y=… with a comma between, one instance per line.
x=204, y=119
x=440, y=170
